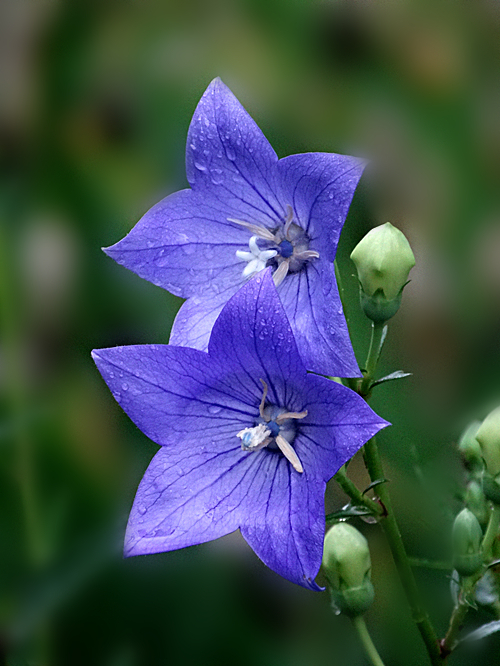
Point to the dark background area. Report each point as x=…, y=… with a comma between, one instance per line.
x=95, y=103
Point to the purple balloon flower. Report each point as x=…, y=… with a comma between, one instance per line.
x=248, y=210
x=248, y=438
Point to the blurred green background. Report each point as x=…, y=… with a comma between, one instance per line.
x=95, y=102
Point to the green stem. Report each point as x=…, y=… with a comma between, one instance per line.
x=491, y=533
x=393, y=535
x=429, y=564
x=388, y=521
x=355, y=494
x=370, y=649
x=372, y=358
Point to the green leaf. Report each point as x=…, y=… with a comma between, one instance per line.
x=382, y=341
x=399, y=374
x=350, y=511
x=482, y=632
x=374, y=484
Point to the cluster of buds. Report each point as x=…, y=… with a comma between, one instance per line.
x=383, y=259
x=347, y=567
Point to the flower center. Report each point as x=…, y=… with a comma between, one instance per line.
x=275, y=429
x=286, y=248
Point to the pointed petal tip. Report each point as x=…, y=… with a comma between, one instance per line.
x=311, y=584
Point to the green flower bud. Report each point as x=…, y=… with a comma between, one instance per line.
x=469, y=447
x=466, y=537
x=383, y=260
x=488, y=437
x=347, y=566
x=476, y=502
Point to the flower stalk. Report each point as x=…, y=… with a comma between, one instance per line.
x=388, y=523
x=365, y=638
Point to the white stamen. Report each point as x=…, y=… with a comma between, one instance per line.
x=289, y=453
x=253, y=439
x=261, y=232
x=307, y=254
x=281, y=418
x=281, y=272
x=256, y=258
x=288, y=221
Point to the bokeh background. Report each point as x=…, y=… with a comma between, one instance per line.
x=95, y=102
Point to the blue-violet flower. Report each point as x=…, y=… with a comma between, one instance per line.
x=248, y=438
x=247, y=210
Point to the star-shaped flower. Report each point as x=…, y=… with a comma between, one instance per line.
x=248, y=210
x=248, y=438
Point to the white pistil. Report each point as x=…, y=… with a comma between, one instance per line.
x=256, y=258
x=258, y=437
x=253, y=439
x=289, y=232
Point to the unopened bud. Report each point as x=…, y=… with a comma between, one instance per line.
x=469, y=447
x=383, y=259
x=466, y=538
x=488, y=437
x=476, y=502
x=347, y=567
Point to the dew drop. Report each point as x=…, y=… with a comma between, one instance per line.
x=217, y=177
x=124, y=386
x=200, y=167
x=141, y=509
x=214, y=409
x=231, y=155
x=207, y=122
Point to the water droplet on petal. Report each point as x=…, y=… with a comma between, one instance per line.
x=141, y=509
x=214, y=409
x=200, y=167
x=231, y=155
x=124, y=386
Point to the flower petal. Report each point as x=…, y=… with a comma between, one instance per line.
x=320, y=188
x=183, y=244
x=289, y=540
x=230, y=161
x=177, y=396
x=253, y=335
x=188, y=496
x=312, y=303
x=337, y=425
x=194, y=321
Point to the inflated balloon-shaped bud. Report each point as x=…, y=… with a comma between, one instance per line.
x=383, y=260
x=347, y=567
x=469, y=447
x=476, y=502
x=466, y=539
x=488, y=437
